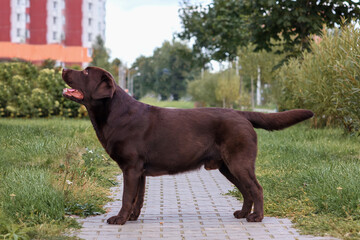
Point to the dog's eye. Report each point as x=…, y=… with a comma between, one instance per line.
x=86, y=72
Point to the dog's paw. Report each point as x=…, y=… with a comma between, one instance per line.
x=133, y=217
x=241, y=214
x=254, y=217
x=116, y=220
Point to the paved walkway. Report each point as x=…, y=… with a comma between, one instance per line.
x=186, y=206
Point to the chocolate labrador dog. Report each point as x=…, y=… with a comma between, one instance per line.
x=151, y=141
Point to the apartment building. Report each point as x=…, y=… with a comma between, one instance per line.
x=63, y=30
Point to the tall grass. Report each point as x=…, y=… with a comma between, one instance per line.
x=50, y=168
x=313, y=177
x=28, y=194
x=326, y=80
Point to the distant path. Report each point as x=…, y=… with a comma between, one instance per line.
x=187, y=206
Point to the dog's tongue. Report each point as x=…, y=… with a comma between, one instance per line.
x=73, y=93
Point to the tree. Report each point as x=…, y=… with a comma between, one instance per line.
x=114, y=68
x=48, y=63
x=100, y=55
x=227, y=89
x=145, y=78
x=224, y=25
x=167, y=71
x=203, y=90
x=295, y=21
x=218, y=29
x=173, y=64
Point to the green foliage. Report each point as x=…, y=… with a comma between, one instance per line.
x=48, y=64
x=327, y=80
x=222, y=26
x=227, y=88
x=100, y=55
x=311, y=176
x=294, y=21
x=219, y=27
x=203, y=90
x=114, y=68
x=26, y=91
x=84, y=210
x=166, y=72
x=144, y=81
x=220, y=89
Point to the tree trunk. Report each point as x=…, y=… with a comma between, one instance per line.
x=252, y=93
x=240, y=91
x=258, y=88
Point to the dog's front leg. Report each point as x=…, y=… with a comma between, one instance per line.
x=132, y=179
x=139, y=200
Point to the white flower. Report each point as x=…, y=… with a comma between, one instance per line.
x=68, y=182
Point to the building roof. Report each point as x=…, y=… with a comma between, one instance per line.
x=35, y=53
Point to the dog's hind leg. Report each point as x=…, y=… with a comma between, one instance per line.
x=244, y=172
x=139, y=200
x=248, y=202
x=239, y=154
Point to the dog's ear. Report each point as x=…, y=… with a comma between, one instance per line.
x=105, y=88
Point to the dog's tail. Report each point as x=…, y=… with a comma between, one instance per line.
x=277, y=121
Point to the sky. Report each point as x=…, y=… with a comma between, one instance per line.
x=137, y=27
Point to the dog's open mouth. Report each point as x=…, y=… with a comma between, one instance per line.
x=70, y=92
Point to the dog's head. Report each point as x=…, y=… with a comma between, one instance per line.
x=88, y=85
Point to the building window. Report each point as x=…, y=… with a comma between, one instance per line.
x=18, y=32
x=27, y=18
x=89, y=37
x=18, y=17
x=54, y=20
x=90, y=20
x=27, y=33
x=27, y=3
x=54, y=35
x=18, y=2
x=55, y=4
x=90, y=6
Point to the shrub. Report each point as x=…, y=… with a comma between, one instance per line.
x=203, y=90
x=327, y=80
x=217, y=89
x=26, y=91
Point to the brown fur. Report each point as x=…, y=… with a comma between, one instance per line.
x=150, y=141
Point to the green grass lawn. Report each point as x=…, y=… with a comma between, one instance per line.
x=50, y=168
x=169, y=104
x=313, y=177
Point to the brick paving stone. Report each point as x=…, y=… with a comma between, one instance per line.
x=187, y=206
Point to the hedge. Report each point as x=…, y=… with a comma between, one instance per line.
x=28, y=91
